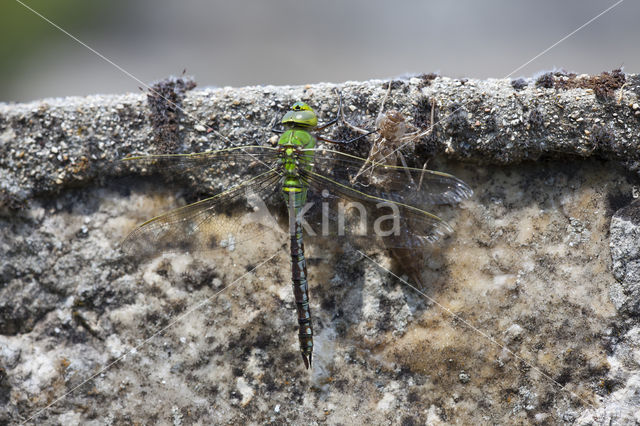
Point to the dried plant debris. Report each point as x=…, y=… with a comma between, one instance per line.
x=426, y=79
x=546, y=80
x=519, y=84
x=165, y=102
x=604, y=85
x=425, y=112
x=394, y=84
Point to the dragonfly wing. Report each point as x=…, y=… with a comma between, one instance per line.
x=417, y=187
x=205, y=225
x=344, y=211
x=207, y=168
x=395, y=200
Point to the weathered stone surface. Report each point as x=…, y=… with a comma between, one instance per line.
x=625, y=252
x=530, y=268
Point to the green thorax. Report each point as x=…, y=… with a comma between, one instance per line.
x=295, y=143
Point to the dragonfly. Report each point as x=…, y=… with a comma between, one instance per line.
x=315, y=185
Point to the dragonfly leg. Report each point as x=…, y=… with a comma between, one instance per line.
x=351, y=126
x=378, y=118
x=275, y=129
x=327, y=124
x=320, y=138
x=335, y=120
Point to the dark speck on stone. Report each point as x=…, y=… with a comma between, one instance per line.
x=519, y=84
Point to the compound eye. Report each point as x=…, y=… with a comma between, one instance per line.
x=299, y=106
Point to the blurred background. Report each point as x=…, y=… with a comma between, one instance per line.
x=242, y=42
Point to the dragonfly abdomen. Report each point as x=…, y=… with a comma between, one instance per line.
x=301, y=294
x=294, y=191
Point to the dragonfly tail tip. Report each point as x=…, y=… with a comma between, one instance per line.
x=307, y=360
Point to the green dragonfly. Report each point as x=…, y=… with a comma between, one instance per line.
x=318, y=190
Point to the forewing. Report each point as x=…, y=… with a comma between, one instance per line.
x=211, y=168
x=420, y=188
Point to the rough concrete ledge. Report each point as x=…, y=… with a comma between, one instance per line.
x=544, y=261
x=53, y=143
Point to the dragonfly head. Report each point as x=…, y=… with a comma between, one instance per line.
x=301, y=114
